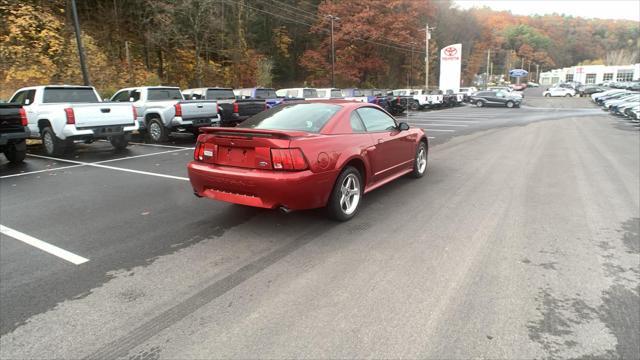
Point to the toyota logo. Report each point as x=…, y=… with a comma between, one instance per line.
x=450, y=51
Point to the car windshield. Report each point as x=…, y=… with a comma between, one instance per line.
x=220, y=94
x=301, y=117
x=69, y=95
x=160, y=94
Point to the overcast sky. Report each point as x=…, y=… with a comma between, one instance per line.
x=603, y=9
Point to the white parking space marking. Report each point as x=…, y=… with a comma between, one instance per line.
x=40, y=171
x=447, y=121
x=143, y=155
x=160, y=145
x=436, y=124
x=98, y=165
x=44, y=246
x=80, y=164
x=442, y=130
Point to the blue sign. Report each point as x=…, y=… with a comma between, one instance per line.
x=518, y=73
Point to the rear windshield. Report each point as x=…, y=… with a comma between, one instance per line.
x=220, y=94
x=266, y=94
x=69, y=95
x=335, y=93
x=299, y=117
x=164, y=94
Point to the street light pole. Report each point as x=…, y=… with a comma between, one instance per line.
x=333, y=52
x=83, y=62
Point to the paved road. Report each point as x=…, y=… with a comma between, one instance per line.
x=522, y=242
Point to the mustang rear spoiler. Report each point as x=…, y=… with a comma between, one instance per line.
x=247, y=132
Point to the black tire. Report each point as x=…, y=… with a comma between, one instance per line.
x=335, y=207
x=547, y=95
x=53, y=146
x=16, y=152
x=479, y=103
x=509, y=104
x=156, y=131
x=418, y=170
x=120, y=142
x=414, y=105
x=567, y=95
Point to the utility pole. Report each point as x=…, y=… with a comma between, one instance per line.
x=486, y=80
x=538, y=73
x=76, y=25
x=427, y=36
x=128, y=59
x=333, y=52
x=411, y=67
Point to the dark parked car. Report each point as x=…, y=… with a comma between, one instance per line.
x=13, y=132
x=232, y=111
x=585, y=90
x=494, y=98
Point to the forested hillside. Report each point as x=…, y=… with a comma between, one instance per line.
x=284, y=42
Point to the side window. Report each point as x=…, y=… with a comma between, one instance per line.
x=28, y=99
x=19, y=97
x=122, y=96
x=356, y=123
x=292, y=93
x=376, y=120
x=135, y=95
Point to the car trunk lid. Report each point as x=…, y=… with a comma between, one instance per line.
x=242, y=147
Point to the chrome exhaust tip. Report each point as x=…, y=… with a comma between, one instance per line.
x=284, y=209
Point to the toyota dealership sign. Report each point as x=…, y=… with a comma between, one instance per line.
x=450, y=65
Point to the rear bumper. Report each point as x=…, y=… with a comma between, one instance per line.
x=261, y=188
x=179, y=122
x=13, y=137
x=96, y=132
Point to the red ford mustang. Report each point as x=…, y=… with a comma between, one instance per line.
x=307, y=155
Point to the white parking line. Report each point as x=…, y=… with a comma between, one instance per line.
x=44, y=246
x=143, y=155
x=98, y=165
x=442, y=130
x=448, y=121
x=40, y=171
x=160, y=145
x=454, y=125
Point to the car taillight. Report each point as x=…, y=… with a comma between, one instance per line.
x=398, y=101
x=205, y=151
x=288, y=159
x=236, y=107
x=71, y=116
x=266, y=107
x=23, y=117
x=135, y=113
x=178, y=108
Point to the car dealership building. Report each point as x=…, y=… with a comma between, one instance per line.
x=591, y=74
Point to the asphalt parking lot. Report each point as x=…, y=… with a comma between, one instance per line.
x=523, y=241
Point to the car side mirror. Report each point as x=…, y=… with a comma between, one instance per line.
x=403, y=126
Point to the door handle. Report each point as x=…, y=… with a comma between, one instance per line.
x=380, y=141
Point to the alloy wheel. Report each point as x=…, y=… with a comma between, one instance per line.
x=47, y=139
x=350, y=189
x=422, y=159
x=155, y=131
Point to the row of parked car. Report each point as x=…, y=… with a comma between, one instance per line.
x=619, y=102
x=61, y=115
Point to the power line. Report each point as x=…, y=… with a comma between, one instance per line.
x=286, y=18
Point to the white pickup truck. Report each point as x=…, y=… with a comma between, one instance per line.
x=163, y=109
x=63, y=114
x=421, y=99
